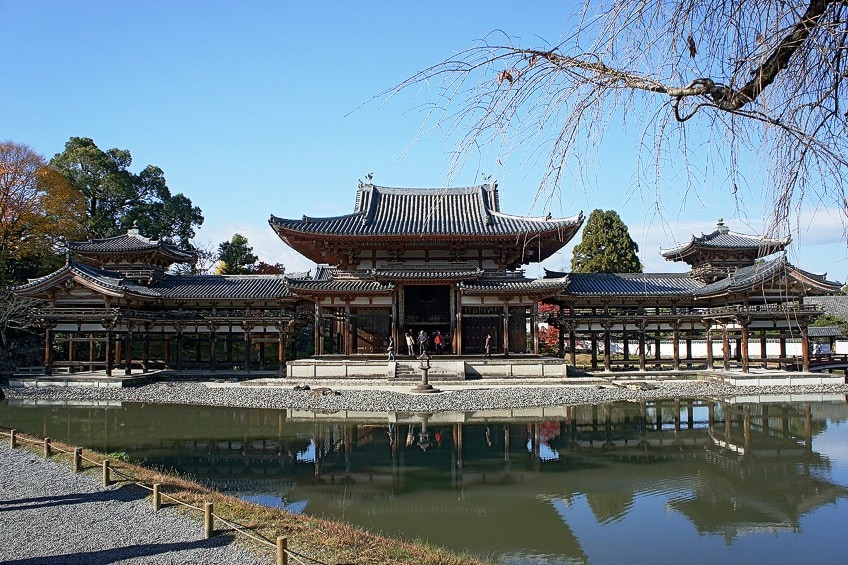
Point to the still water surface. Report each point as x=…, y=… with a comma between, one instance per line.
x=676, y=481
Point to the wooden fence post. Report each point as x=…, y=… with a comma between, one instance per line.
x=46, y=447
x=208, y=529
x=282, y=550
x=12, y=438
x=106, y=478
x=157, y=497
x=77, y=459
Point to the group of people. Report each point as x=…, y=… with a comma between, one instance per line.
x=416, y=345
x=419, y=343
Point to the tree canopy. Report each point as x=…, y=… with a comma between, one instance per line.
x=115, y=197
x=606, y=246
x=37, y=207
x=236, y=256
x=706, y=82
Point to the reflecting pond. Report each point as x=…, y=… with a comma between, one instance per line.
x=673, y=481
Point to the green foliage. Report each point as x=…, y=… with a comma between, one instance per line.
x=115, y=197
x=236, y=256
x=606, y=246
x=829, y=320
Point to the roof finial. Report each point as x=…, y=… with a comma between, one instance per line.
x=721, y=227
x=134, y=229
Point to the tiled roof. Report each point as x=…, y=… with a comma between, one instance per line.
x=427, y=274
x=108, y=280
x=218, y=287
x=823, y=331
x=631, y=284
x=383, y=211
x=352, y=285
x=722, y=238
x=129, y=243
x=516, y=285
x=833, y=305
x=747, y=278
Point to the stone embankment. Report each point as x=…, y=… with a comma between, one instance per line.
x=380, y=396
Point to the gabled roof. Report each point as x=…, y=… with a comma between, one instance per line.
x=426, y=274
x=107, y=282
x=724, y=239
x=130, y=242
x=759, y=275
x=469, y=211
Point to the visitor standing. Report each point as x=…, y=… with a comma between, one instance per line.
x=410, y=344
x=437, y=341
x=391, y=348
x=488, y=346
x=422, y=341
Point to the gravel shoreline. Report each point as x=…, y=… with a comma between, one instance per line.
x=380, y=396
x=53, y=516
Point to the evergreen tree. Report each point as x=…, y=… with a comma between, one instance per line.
x=606, y=246
x=236, y=257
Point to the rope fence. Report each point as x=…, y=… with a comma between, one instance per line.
x=284, y=555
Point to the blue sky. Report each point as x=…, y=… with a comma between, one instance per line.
x=256, y=108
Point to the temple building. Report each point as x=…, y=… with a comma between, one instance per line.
x=444, y=262
x=439, y=264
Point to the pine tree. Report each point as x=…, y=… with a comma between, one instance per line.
x=606, y=246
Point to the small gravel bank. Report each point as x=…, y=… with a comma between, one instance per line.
x=383, y=397
x=51, y=515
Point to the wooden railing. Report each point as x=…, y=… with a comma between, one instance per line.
x=284, y=555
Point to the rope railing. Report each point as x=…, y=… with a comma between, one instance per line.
x=284, y=555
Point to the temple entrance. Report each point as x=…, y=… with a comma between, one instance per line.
x=477, y=323
x=427, y=308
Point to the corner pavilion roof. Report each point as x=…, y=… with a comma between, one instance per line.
x=722, y=239
x=741, y=280
x=168, y=287
x=129, y=243
x=441, y=213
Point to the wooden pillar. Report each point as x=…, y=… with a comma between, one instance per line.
x=350, y=346
x=48, y=350
x=744, y=345
x=642, y=345
x=90, y=352
x=72, y=352
x=179, y=348
x=764, y=349
x=128, y=351
x=725, y=347
x=710, y=363
x=805, y=348
x=534, y=326
x=145, y=356
x=317, y=331
x=167, y=345
x=198, y=356
x=625, y=345
x=116, y=352
x=594, y=343
x=281, y=351
x=459, y=332
x=247, y=347
x=675, y=345
x=689, y=349
x=607, y=353
x=505, y=329
x=108, y=351
x=572, y=345
x=213, y=347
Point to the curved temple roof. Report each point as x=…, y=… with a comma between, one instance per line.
x=131, y=242
x=470, y=211
x=724, y=239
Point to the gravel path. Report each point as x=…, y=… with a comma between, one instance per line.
x=50, y=515
x=383, y=396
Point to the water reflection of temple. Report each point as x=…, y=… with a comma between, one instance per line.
x=517, y=475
